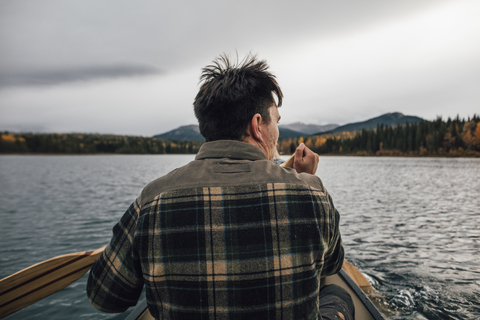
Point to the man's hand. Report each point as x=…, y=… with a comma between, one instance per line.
x=305, y=160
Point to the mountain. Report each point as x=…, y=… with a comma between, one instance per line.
x=299, y=129
x=183, y=133
x=289, y=133
x=192, y=133
x=307, y=129
x=388, y=119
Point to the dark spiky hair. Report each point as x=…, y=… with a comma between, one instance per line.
x=231, y=94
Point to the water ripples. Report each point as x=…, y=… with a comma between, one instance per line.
x=413, y=225
x=410, y=224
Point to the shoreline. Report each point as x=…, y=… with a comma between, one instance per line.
x=358, y=154
x=93, y=154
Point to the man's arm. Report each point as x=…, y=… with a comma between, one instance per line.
x=305, y=160
x=115, y=280
x=333, y=260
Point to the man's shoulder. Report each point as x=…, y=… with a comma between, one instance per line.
x=227, y=172
x=169, y=181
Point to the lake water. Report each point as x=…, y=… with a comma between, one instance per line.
x=411, y=225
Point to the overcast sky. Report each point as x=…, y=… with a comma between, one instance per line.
x=132, y=67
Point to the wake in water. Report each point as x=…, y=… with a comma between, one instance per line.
x=419, y=296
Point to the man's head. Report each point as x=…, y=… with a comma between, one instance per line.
x=231, y=94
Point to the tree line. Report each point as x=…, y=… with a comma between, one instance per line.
x=74, y=143
x=453, y=137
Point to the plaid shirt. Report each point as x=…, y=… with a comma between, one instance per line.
x=228, y=236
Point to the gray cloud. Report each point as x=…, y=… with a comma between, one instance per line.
x=337, y=61
x=50, y=34
x=54, y=77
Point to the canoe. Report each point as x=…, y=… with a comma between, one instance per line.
x=34, y=283
x=348, y=278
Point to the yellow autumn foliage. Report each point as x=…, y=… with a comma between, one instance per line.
x=471, y=135
x=8, y=137
x=11, y=138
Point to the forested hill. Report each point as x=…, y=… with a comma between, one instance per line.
x=457, y=137
x=183, y=133
x=388, y=120
x=74, y=143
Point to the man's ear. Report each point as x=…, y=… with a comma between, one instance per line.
x=254, y=127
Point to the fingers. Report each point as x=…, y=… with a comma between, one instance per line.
x=305, y=160
x=299, y=152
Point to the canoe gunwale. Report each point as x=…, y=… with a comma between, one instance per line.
x=138, y=312
x=361, y=295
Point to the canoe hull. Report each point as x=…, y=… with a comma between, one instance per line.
x=364, y=308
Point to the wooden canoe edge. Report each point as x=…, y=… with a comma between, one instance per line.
x=358, y=277
x=365, y=309
x=140, y=312
x=348, y=278
x=374, y=297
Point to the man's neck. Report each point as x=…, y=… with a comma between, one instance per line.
x=253, y=141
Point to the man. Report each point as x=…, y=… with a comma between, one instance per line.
x=230, y=235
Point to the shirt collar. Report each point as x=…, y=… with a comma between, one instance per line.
x=231, y=149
